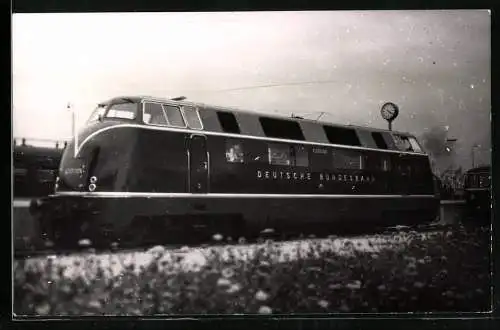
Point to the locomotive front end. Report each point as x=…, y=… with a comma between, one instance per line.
x=90, y=163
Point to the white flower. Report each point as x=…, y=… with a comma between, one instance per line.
x=227, y=272
x=84, y=242
x=381, y=287
x=265, y=310
x=43, y=309
x=217, y=237
x=95, y=304
x=233, y=288
x=268, y=231
x=323, y=303
x=261, y=295
x=223, y=282
x=335, y=286
x=157, y=251
x=354, y=285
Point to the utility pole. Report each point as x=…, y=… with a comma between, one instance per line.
x=474, y=146
x=73, y=129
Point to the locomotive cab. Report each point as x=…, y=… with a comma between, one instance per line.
x=99, y=149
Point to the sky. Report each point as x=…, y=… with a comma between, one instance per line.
x=435, y=65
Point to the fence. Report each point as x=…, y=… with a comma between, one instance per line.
x=40, y=143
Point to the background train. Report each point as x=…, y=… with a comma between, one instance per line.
x=35, y=168
x=146, y=169
x=477, y=193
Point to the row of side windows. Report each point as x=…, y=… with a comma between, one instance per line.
x=187, y=116
x=287, y=129
x=170, y=115
x=303, y=156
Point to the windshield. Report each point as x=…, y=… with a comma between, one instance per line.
x=122, y=111
x=98, y=112
x=117, y=110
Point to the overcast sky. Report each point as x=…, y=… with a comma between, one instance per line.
x=434, y=64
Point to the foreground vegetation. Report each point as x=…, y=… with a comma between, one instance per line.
x=412, y=272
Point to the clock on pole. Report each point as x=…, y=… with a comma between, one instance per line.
x=389, y=112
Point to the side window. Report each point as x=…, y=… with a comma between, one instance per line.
x=348, y=159
x=404, y=143
x=228, y=122
x=279, y=154
x=282, y=154
x=192, y=117
x=341, y=135
x=301, y=156
x=174, y=115
x=379, y=140
x=234, y=152
x=414, y=144
x=256, y=152
x=280, y=128
x=320, y=159
x=153, y=114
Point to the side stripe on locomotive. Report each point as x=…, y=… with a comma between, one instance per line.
x=112, y=194
x=241, y=136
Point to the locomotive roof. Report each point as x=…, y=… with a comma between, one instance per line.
x=138, y=98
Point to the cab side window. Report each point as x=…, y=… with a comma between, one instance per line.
x=153, y=114
x=234, y=151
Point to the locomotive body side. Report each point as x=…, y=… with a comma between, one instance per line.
x=128, y=176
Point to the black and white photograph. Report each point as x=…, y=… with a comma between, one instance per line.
x=251, y=163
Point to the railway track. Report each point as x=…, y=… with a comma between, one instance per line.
x=265, y=236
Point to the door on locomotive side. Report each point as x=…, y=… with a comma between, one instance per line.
x=198, y=164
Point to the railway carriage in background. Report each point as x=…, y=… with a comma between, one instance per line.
x=477, y=193
x=35, y=169
x=168, y=169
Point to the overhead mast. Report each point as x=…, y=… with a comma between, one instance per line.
x=73, y=128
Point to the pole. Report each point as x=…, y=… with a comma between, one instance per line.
x=472, y=156
x=73, y=130
x=390, y=126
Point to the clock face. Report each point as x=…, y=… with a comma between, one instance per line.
x=389, y=111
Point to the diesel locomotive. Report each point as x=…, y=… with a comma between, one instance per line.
x=150, y=168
